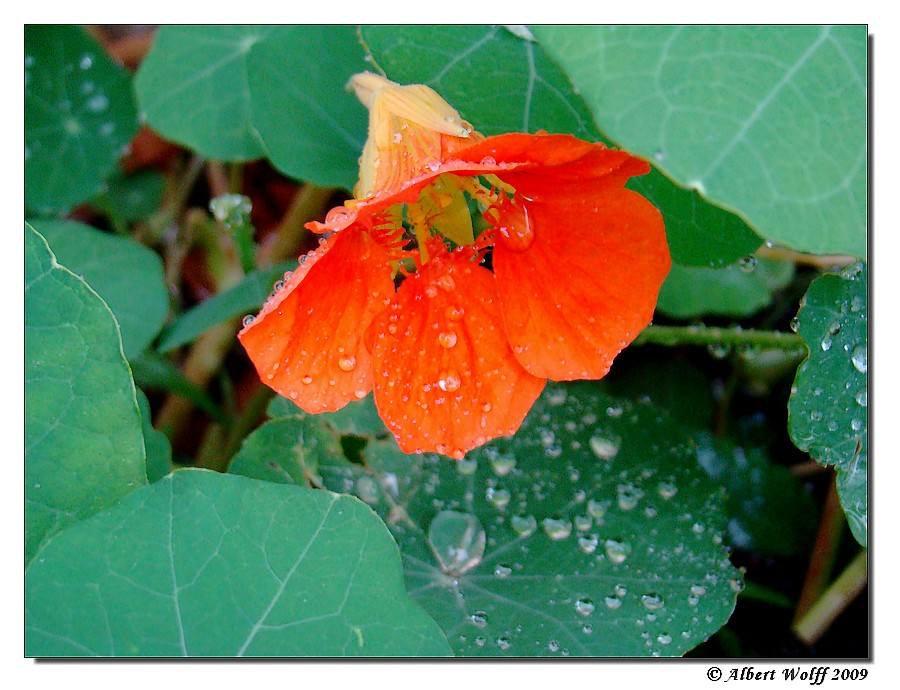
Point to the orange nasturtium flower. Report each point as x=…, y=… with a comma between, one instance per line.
x=457, y=323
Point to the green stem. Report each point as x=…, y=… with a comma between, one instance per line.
x=844, y=590
x=713, y=335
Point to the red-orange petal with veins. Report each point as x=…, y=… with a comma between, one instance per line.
x=307, y=342
x=584, y=280
x=446, y=380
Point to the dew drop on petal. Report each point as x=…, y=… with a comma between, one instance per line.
x=347, y=363
x=447, y=339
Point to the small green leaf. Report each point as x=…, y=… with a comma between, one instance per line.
x=133, y=197
x=159, y=450
x=79, y=116
x=357, y=418
x=287, y=450
x=828, y=409
x=194, y=88
x=768, y=121
x=127, y=275
x=738, y=290
x=211, y=565
x=313, y=128
x=592, y=532
x=520, y=88
x=245, y=297
x=84, y=449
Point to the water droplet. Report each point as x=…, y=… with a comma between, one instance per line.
x=479, y=619
x=86, y=61
x=454, y=313
x=862, y=397
x=860, y=358
x=585, y=607
x=652, y=601
x=826, y=342
x=553, y=646
x=557, y=396
x=367, y=489
x=347, y=363
x=337, y=216
x=488, y=160
x=582, y=522
x=457, y=541
x=466, y=466
x=502, y=571
x=597, y=509
x=588, y=544
x=449, y=382
x=247, y=320
x=856, y=424
x=748, y=264
x=628, y=496
x=587, y=628
x=307, y=379
x=499, y=498
x=503, y=643
x=667, y=489
x=97, y=103
x=502, y=463
x=664, y=638
x=795, y=324
x=523, y=525
x=557, y=529
x=718, y=350
x=616, y=551
x=606, y=447
x=613, y=603
x=447, y=339
x=698, y=590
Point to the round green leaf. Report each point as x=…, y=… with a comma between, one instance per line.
x=520, y=88
x=194, y=88
x=592, y=532
x=828, y=409
x=84, y=448
x=79, y=116
x=313, y=128
x=357, y=418
x=127, y=275
x=206, y=564
x=768, y=121
x=738, y=290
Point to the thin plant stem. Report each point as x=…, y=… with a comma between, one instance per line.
x=824, y=552
x=714, y=335
x=285, y=241
x=835, y=599
x=152, y=232
x=815, y=260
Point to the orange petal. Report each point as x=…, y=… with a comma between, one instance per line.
x=446, y=380
x=306, y=342
x=580, y=281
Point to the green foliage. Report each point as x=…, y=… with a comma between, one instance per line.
x=520, y=88
x=205, y=564
x=243, y=298
x=563, y=540
x=768, y=121
x=828, y=410
x=738, y=290
x=84, y=448
x=127, y=275
x=611, y=524
x=79, y=115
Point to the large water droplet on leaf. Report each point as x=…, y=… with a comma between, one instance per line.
x=457, y=540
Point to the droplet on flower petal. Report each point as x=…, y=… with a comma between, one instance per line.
x=447, y=339
x=347, y=363
x=449, y=382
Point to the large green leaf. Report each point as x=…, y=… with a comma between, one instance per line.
x=738, y=290
x=592, y=532
x=828, y=409
x=245, y=297
x=127, y=275
x=79, y=115
x=313, y=128
x=206, y=564
x=502, y=83
x=84, y=448
x=194, y=88
x=769, y=121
